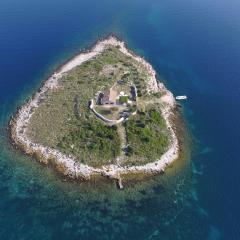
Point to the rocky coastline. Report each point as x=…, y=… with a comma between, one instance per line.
x=66, y=163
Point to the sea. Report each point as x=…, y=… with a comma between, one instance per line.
x=195, y=48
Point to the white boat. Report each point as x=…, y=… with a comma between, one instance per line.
x=181, y=97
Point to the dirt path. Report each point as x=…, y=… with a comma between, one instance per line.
x=123, y=138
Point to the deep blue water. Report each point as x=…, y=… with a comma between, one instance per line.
x=195, y=48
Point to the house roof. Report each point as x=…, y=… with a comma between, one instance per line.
x=106, y=96
x=113, y=95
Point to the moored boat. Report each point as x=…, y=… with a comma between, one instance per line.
x=181, y=97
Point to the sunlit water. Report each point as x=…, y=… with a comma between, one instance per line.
x=195, y=48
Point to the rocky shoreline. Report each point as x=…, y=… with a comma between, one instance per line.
x=66, y=163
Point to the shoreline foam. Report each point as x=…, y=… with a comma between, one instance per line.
x=71, y=166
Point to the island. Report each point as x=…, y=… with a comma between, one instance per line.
x=101, y=113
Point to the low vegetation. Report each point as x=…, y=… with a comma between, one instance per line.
x=94, y=141
x=147, y=135
x=64, y=121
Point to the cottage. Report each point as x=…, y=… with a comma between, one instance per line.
x=100, y=98
x=107, y=97
x=134, y=92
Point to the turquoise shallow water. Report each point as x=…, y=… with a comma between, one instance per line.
x=194, y=46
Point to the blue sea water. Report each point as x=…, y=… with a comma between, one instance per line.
x=195, y=48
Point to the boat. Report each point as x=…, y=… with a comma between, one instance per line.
x=181, y=97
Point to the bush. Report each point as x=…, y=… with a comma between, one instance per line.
x=129, y=151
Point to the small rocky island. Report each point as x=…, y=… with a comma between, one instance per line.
x=104, y=113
